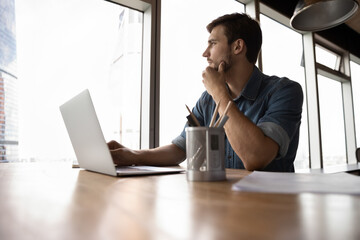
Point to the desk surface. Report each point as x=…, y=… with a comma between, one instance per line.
x=53, y=201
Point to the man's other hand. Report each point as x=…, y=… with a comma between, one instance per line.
x=121, y=155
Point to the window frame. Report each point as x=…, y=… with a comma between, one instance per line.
x=149, y=122
x=342, y=76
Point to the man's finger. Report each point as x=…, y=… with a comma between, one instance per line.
x=114, y=145
x=221, y=67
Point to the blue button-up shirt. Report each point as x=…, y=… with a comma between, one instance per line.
x=274, y=104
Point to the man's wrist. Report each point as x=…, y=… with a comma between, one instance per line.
x=136, y=157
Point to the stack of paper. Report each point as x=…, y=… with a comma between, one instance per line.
x=274, y=182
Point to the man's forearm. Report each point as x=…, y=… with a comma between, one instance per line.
x=168, y=155
x=248, y=141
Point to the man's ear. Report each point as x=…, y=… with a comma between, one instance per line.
x=238, y=46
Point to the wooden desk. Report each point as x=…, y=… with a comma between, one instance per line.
x=53, y=201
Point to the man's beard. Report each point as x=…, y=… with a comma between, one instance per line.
x=227, y=61
x=226, y=67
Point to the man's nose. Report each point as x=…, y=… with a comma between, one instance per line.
x=206, y=53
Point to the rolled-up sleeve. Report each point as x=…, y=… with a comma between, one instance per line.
x=278, y=134
x=283, y=115
x=180, y=141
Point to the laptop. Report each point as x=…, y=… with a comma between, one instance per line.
x=89, y=144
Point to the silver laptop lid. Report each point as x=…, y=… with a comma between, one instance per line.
x=86, y=135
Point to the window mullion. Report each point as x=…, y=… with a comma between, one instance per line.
x=349, y=116
x=313, y=99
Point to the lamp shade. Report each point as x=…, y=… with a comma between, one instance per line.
x=317, y=15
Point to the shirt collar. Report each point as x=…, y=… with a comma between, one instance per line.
x=252, y=87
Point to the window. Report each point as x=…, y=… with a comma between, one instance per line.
x=337, y=125
x=281, y=55
x=355, y=83
x=183, y=41
x=65, y=47
x=327, y=57
x=331, y=122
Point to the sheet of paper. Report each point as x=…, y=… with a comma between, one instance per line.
x=274, y=182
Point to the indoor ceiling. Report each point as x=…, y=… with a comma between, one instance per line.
x=346, y=35
x=354, y=21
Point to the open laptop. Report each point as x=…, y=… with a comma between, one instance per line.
x=89, y=143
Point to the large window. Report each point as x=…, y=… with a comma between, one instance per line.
x=183, y=41
x=281, y=54
x=335, y=104
x=67, y=46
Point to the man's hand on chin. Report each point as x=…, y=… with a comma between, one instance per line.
x=214, y=81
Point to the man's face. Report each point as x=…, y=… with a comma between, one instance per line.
x=218, y=49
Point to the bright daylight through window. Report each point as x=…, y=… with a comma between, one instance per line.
x=332, y=122
x=327, y=58
x=65, y=47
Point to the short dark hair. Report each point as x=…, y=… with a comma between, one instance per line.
x=241, y=25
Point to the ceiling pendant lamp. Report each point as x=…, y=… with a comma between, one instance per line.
x=317, y=15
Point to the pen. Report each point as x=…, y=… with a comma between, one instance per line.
x=225, y=112
x=223, y=121
x=193, y=116
x=191, y=121
x=214, y=114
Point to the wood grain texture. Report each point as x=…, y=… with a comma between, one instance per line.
x=53, y=201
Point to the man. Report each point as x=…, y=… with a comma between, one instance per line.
x=262, y=132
